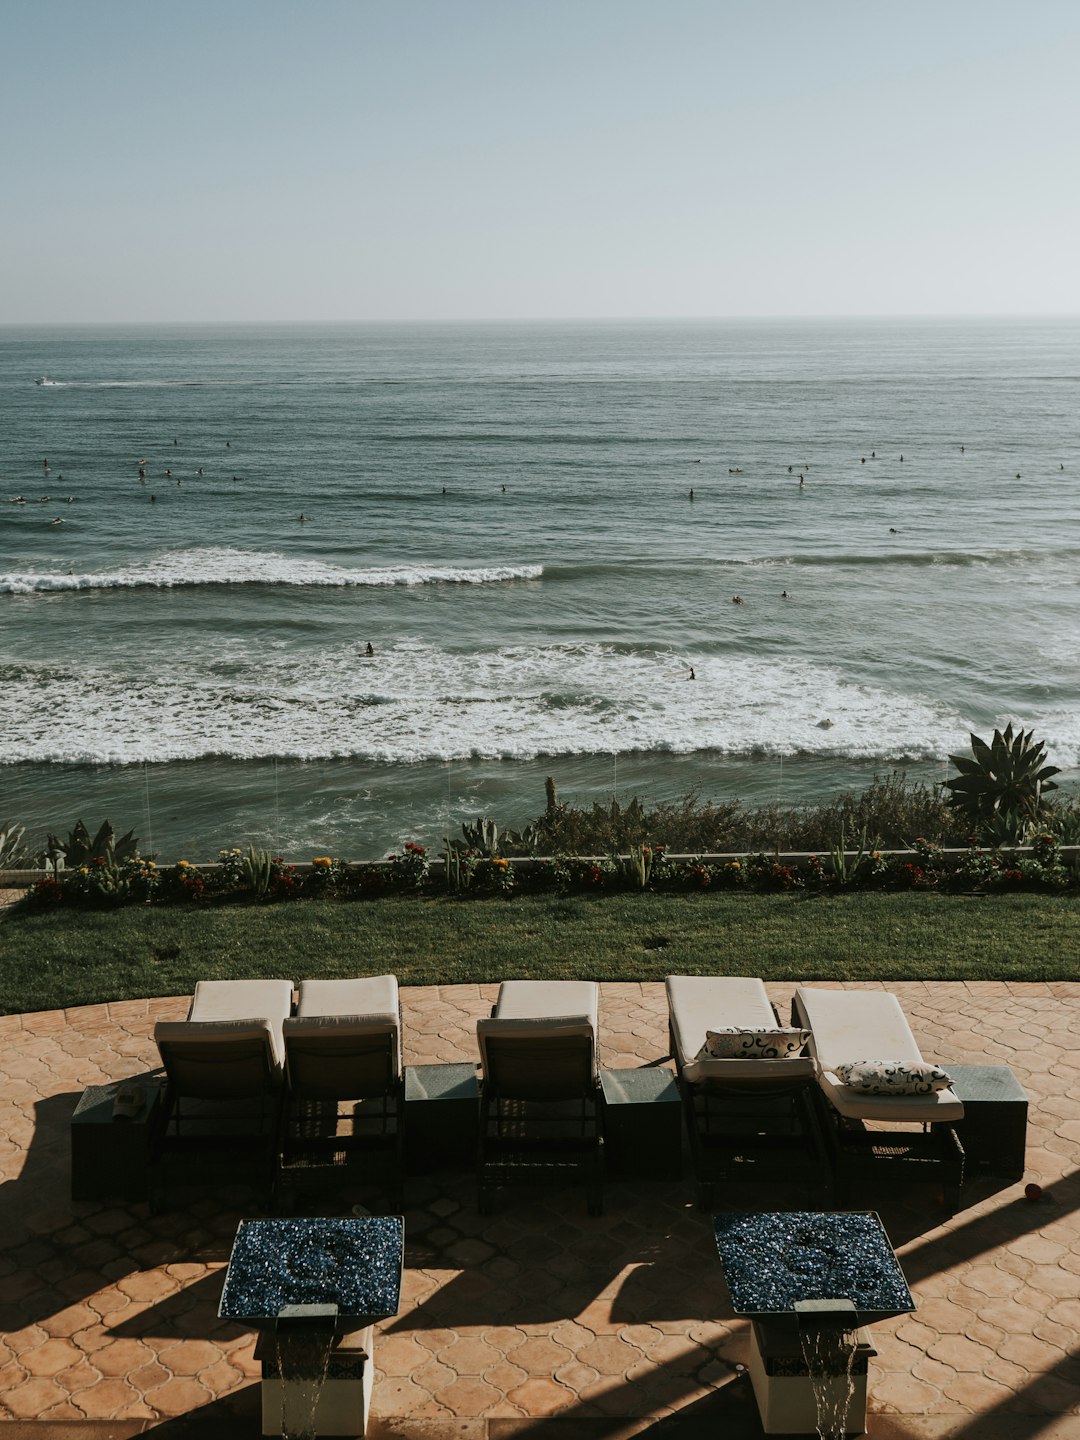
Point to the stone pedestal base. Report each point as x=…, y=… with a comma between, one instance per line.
x=782, y=1388
x=344, y=1399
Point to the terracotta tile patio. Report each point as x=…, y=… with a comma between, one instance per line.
x=536, y=1314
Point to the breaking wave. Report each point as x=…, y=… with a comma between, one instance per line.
x=225, y=566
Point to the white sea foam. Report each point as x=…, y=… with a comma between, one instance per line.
x=414, y=703
x=222, y=565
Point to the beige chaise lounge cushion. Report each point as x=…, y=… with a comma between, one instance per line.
x=542, y=1011
x=346, y=1009
x=850, y=1025
x=545, y=999
x=370, y=995
x=699, y=1003
x=231, y=1042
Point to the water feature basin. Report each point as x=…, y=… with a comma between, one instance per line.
x=314, y=1288
x=811, y=1282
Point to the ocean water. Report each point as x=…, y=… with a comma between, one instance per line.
x=540, y=529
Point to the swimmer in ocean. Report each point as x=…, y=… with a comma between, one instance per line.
x=370, y=650
x=736, y=600
x=691, y=676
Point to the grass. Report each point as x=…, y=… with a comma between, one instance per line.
x=62, y=958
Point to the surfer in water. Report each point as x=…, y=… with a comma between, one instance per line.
x=369, y=650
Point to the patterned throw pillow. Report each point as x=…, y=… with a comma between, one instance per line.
x=893, y=1077
x=732, y=1043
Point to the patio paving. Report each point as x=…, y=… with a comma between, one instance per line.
x=536, y=1316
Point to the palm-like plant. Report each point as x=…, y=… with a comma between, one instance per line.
x=1001, y=787
x=12, y=849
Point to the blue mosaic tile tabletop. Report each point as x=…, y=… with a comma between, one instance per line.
x=772, y=1260
x=355, y=1264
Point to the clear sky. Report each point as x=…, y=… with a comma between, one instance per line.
x=431, y=159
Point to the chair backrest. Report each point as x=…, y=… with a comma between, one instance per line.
x=342, y=1057
x=219, y=1059
x=543, y=1059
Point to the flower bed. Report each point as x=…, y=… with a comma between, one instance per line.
x=257, y=876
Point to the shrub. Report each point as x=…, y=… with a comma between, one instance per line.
x=409, y=869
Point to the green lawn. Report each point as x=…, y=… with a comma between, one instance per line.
x=65, y=957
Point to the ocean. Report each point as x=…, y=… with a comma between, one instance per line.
x=540, y=529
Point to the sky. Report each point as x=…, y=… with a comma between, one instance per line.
x=351, y=160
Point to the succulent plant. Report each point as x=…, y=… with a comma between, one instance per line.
x=482, y=836
x=79, y=847
x=1002, y=785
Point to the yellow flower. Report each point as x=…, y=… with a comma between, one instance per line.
x=182, y=865
x=324, y=860
x=84, y=870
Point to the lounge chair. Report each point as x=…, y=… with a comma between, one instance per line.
x=540, y=1097
x=343, y=1074
x=224, y=1068
x=750, y=1113
x=854, y=1035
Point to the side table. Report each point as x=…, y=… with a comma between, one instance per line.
x=442, y=1117
x=643, y=1124
x=110, y=1155
x=993, y=1131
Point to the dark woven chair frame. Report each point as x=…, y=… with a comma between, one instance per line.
x=765, y=1130
x=342, y=1111
x=541, y=1117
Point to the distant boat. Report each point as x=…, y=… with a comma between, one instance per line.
x=46, y=381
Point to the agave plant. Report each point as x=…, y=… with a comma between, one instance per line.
x=1001, y=787
x=482, y=836
x=79, y=847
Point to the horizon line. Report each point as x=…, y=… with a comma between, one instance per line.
x=817, y=317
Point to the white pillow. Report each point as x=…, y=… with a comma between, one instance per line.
x=893, y=1077
x=733, y=1043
